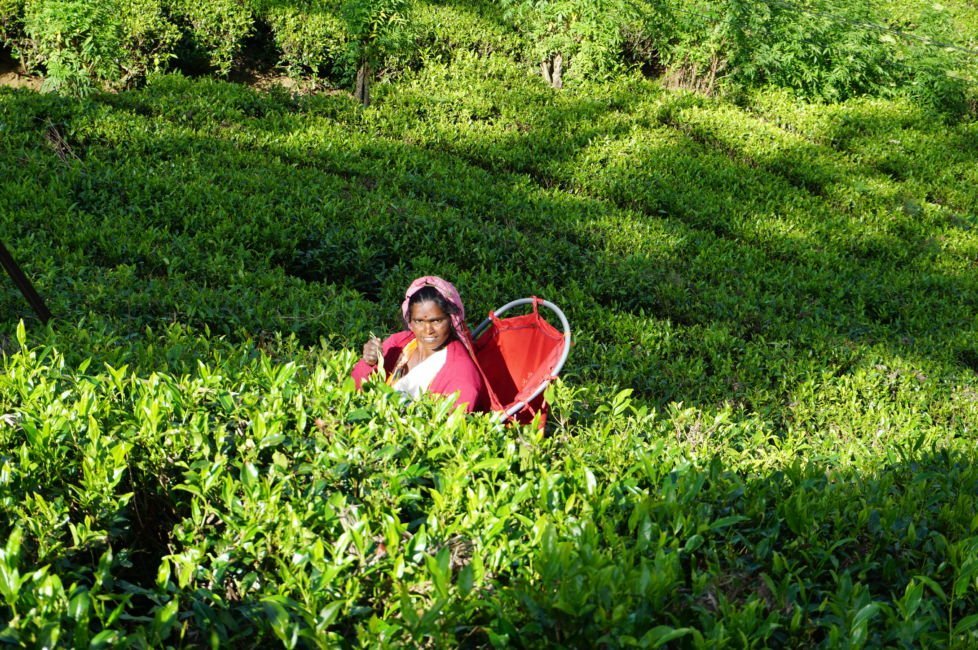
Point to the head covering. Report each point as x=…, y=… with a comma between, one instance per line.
x=449, y=293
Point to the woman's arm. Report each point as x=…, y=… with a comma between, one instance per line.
x=391, y=350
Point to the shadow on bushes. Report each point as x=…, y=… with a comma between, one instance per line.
x=679, y=268
x=690, y=271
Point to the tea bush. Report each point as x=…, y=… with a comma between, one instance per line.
x=587, y=37
x=312, y=42
x=84, y=45
x=822, y=51
x=215, y=30
x=818, y=50
x=78, y=40
x=764, y=435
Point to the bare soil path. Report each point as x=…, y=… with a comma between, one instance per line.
x=13, y=75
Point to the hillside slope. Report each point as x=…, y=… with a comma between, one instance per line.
x=764, y=436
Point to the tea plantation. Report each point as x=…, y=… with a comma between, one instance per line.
x=765, y=435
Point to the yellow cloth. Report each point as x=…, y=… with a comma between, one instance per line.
x=400, y=368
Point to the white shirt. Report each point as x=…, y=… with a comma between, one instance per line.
x=417, y=380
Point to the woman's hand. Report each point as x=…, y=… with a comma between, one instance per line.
x=373, y=351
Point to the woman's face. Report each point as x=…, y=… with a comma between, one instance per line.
x=431, y=326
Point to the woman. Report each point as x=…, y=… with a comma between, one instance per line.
x=434, y=354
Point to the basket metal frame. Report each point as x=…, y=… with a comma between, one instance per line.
x=484, y=325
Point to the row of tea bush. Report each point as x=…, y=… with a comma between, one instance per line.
x=818, y=49
x=764, y=436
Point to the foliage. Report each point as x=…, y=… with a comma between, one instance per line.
x=764, y=436
x=439, y=32
x=589, y=34
x=375, y=26
x=266, y=500
x=12, y=29
x=76, y=41
x=312, y=39
x=215, y=29
x=84, y=45
x=149, y=39
x=821, y=50
x=376, y=29
x=940, y=77
x=813, y=49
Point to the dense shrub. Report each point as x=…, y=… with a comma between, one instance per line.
x=765, y=434
x=311, y=37
x=149, y=39
x=84, y=45
x=77, y=42
x=821, y=53
x=214, y=30
x=584, y=37
x=12, y=31
x=943, y=78
x=441, y=31
x=820, y=50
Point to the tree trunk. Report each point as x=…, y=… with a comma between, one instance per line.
x=25, y=286
x=552, y=70
x=362, y=92
x=558, y=70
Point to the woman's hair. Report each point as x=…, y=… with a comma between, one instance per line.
x=431, y=294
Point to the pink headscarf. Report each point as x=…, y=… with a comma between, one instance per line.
x=449, y=293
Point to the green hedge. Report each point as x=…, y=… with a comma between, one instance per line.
x=765, y=433
x=819, y=50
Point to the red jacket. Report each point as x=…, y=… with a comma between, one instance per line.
x=458, y=375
